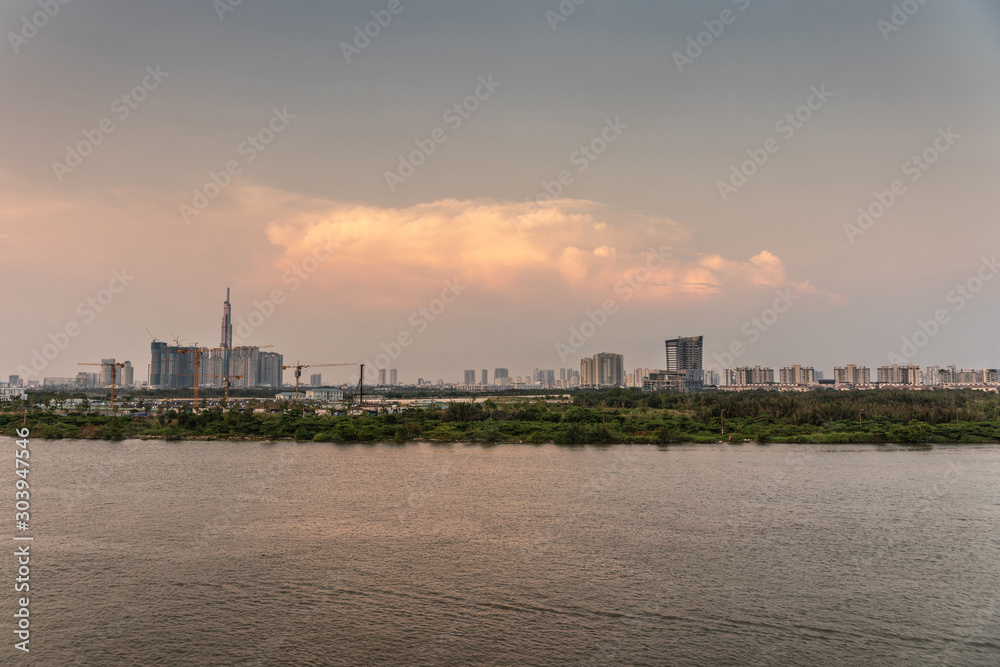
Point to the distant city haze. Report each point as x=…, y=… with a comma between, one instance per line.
x=484, y=186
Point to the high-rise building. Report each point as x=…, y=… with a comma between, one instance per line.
x=798, y=375
x=852, y=374
x=106, y=372
x=685, y=354
x=605, y=369
x=744, y=375
x=501, y=377
x=270, y=372
x=486, y=377
x=470, y=377
x=896, y=374
x=13, y=380
x=381, y=377
x=932, y=375
x=316, y=379
x=126, y=376
x=949, y=376
x=393, y=377
x=227, y=334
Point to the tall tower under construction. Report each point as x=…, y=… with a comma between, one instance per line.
x=227, y=334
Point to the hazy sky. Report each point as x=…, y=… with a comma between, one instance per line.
x=647, y=129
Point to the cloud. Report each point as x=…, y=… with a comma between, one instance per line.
x=576, y=249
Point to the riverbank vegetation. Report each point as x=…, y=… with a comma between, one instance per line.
x=608, y=417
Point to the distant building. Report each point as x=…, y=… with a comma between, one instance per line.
x=501, y=377
x=270, y=373
x=932, y=375
x=393, y=377
x=169, y=368
x=59, y=383
x=486, y=377
x=11, y=392
x=470, y=377
x=226, y=344
x=316, y=379
x=685, y=354
x=896, y=374
x=126, y=377
x=605, y=369
x=108, y=367
x=14, y=380
x=746, y=376
x=969, y=376
x=852, y=374
x=325, y=395
x=661, y=380
x=798, y=375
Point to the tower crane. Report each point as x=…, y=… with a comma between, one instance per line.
x=298, y=372
x=114, y=374
x=226, y=383
x=197, y=352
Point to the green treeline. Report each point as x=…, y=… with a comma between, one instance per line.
x=606, y=417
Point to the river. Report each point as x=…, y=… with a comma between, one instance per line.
x=221, y=553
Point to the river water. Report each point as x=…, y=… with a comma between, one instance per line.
x=219, y=553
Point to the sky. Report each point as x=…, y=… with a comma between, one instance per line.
x=515, y=185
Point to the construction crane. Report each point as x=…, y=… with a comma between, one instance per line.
x=298, y=372
x=197, y=352
x=361, y=390
x=226, y=384
x=114, y=375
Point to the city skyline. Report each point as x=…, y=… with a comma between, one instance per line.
x=829, y=213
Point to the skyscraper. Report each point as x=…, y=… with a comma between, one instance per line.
x=605, y=369
x=106, y=372
x=393, y=376
x=684, y=355
x=227, y=333
x=381, y=377
x=486, y=377
x=470, y=377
